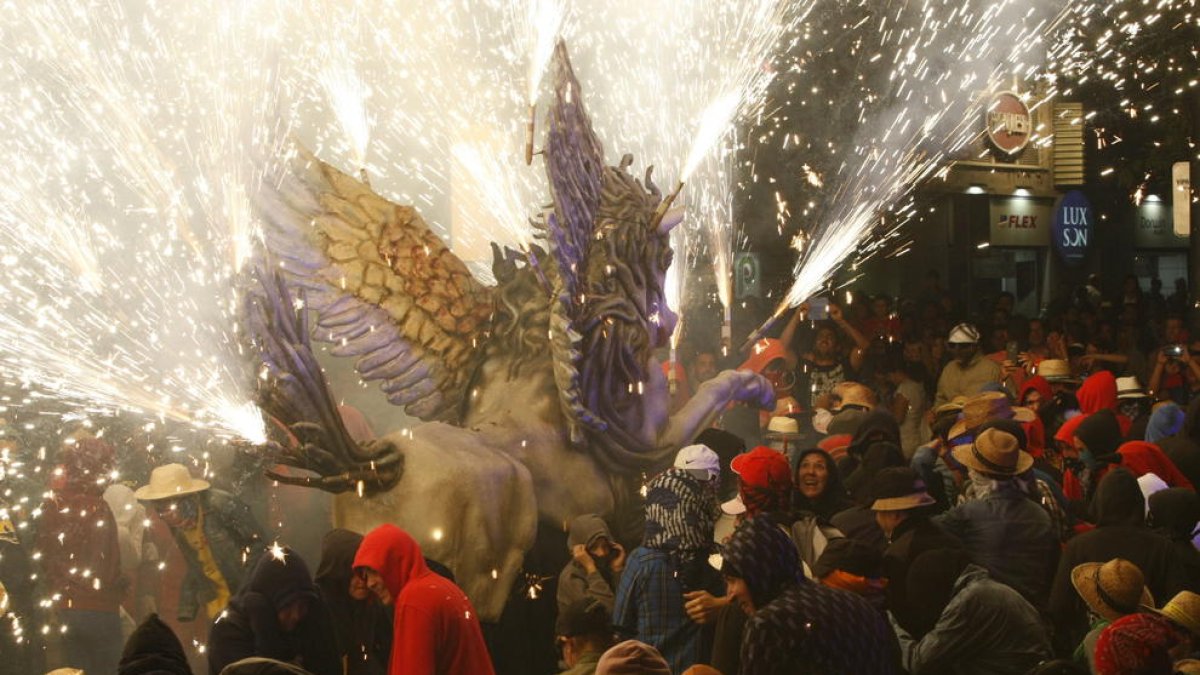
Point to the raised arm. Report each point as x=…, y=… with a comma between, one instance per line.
x=860, y=341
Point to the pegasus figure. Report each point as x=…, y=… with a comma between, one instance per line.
x=540, y=397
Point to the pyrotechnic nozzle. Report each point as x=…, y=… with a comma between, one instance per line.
x=530, y=126
x=760, y=332
x=664, y=206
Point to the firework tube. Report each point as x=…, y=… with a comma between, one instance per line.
x=727, y=332
x=529, y=128
x=672, y=377
x=664, y=206
x=762, y=330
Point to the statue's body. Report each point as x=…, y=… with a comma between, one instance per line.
x=542, y=396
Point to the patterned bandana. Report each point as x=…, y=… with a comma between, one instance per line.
x=763, y=555
x=680, y=515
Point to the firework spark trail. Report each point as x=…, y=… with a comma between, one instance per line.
x=945, y=54
x=138, y=180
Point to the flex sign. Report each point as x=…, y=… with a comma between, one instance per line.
x=1017, y=221
x=1074, y=226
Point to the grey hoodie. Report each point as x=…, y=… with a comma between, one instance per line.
x=575, y=585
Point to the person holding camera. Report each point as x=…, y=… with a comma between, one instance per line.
x=1176, y=374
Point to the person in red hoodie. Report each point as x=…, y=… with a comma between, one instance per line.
x=435, y=630
x=81, y=556
x=1099, y=392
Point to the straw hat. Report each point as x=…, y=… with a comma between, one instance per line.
x=1112, y=589
x=1056, y=370
x=170, y=481
x=963, y=334
x=1184, y=609
x=899, y=489
x=854, y=394
x=954, y=405
x=995, y=452
x=990, y=405
x=783, y=425
x=1129, y=387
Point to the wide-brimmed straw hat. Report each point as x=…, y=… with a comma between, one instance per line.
x=170, y=481
x=1056, y=370
x=899, y=489
x=1129, y=387
x=990, y=405
x=954, y=405
x=1112, y=589
x=995, y=452
x=1184, y=609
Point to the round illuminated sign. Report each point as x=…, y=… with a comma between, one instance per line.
x=1009, y=124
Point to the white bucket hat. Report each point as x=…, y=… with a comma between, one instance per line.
x=170, y=481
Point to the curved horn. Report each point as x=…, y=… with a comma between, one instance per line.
x=670, y=219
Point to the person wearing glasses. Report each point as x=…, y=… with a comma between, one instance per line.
x=216, y=533
x=968, y=370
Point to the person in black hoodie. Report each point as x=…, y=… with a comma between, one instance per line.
x=876, y=427
x=1120, y=532
x=277, y=614
x=858, y=521
x=361, y=624
x=153, y=649
x=1175, y=514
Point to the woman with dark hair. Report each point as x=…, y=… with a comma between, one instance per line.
x=819, y=488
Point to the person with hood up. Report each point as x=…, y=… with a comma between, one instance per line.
x=1099, y=392
x=796, y=625
x=1097, y=448
x=1183, y=448
x=819, y=488
x=81, y=556
x=1120, y=532
x=277, y=614
x=681, y=509
x=875, y=428
x=1110, y=590
x=902, y=510
x=978, y=626
x=153, y=649
x=435, y=630
x=1175, y=514
x=858, y=521
x=596, y=564
x=1165, y=421
x=362, y=626
x=1005, y=531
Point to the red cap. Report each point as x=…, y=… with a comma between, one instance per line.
x=763, y=467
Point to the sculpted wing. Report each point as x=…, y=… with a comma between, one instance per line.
x=385, y=288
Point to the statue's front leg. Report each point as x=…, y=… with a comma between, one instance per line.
x=711, y=399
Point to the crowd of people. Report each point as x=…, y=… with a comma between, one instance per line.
x=929, y=495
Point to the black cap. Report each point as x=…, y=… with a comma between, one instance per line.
x=583, y=617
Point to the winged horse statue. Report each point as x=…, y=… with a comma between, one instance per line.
x=540, y=397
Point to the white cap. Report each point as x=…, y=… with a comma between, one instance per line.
x=699, y=458
x=734, y=507
x=964, y=334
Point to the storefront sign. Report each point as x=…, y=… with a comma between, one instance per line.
x=1020, y=221
x=1181, y=198
x=1074, y=225
x=1152, y=227
x=747, y=276
x=1009, y=123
